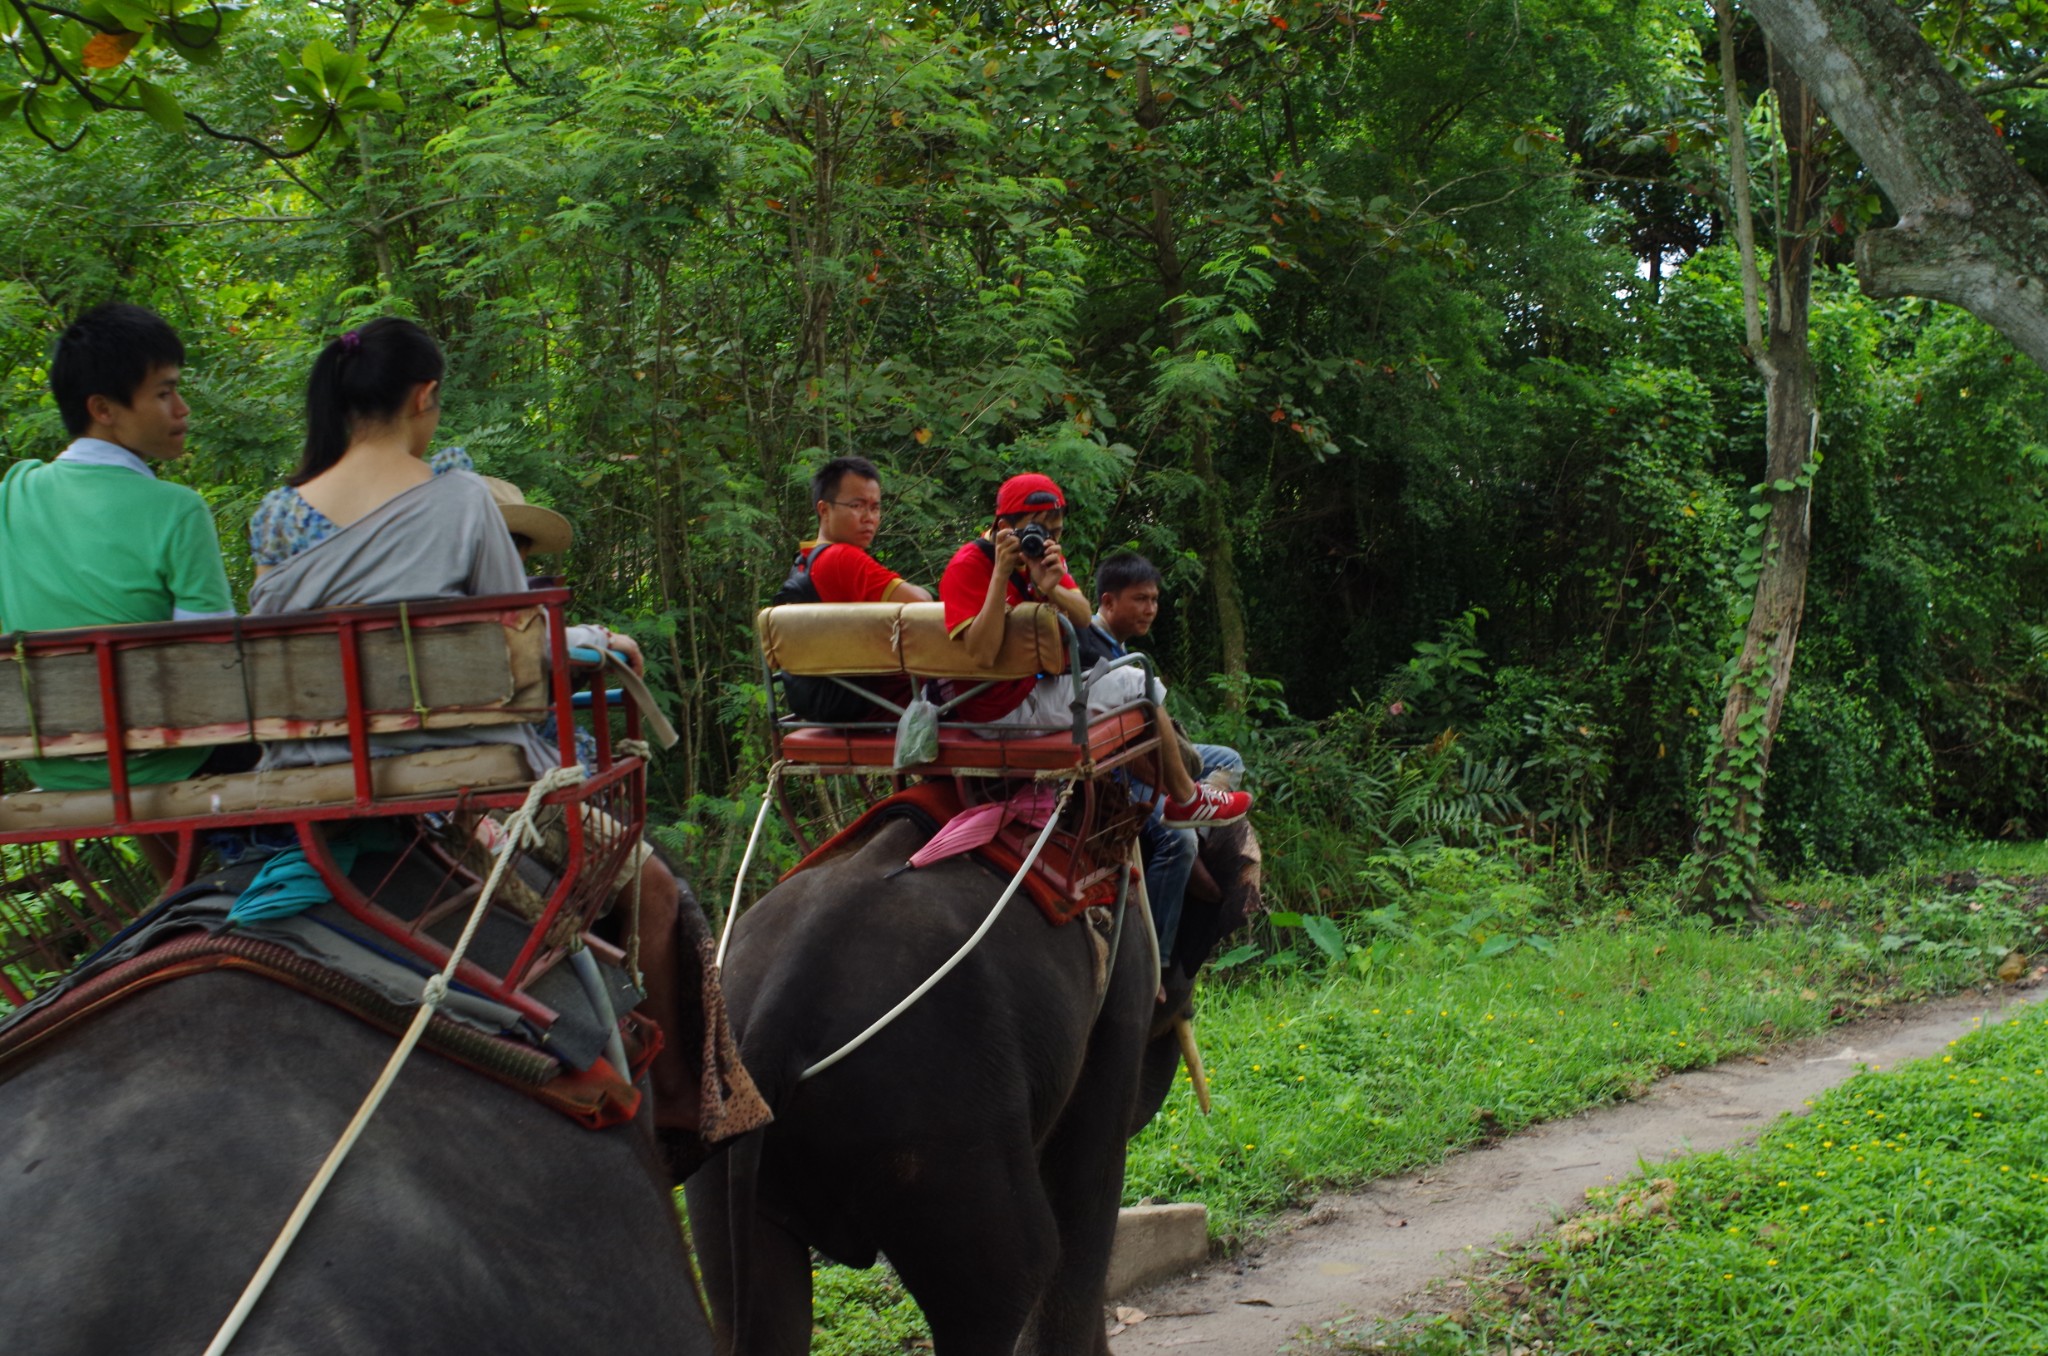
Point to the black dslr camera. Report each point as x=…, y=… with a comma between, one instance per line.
x=1032, y=539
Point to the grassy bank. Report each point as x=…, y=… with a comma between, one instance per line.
x=1905, y=1214
x=1425, y=1031
x=1481, y=997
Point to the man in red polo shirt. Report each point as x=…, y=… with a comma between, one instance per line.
x=836, y=568
x=995, y=572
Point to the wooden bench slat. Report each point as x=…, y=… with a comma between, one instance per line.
x=181, y=693
x=477, y=767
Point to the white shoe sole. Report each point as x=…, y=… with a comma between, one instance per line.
x=1216, y=823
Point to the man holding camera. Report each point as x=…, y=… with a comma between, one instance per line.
x=1019, y=560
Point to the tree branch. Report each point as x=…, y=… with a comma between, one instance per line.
x=1973, y=226
x=2036, y=78
x=72, y=15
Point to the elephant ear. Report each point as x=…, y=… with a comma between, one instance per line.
x=1231, y=856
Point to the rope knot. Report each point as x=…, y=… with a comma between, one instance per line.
x=435, y=991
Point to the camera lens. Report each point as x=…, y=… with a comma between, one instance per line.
x=1031, y=540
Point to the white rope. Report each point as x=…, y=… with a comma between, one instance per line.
x=1051, y=822
x=519, y=833
x=739, y=882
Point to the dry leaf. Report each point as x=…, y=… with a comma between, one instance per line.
x=108, y=50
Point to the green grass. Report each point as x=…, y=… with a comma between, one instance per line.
x=864, y=1313
x=2019, y=859
x=1479, y=998
x=1411, y=1046
x=1905, y=1214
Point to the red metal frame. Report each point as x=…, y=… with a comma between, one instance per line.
x=1112, y=742
x=619, y=782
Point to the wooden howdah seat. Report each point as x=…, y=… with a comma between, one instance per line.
x=866, y=640
x=435, y=665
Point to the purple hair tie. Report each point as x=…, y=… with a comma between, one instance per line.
x=351, y=341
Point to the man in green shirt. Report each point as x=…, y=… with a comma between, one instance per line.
x=94, y=538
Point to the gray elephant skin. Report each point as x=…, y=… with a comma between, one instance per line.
x=978, y=1141
x=151, y=1155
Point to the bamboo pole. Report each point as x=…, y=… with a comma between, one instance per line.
x=1186, y=1034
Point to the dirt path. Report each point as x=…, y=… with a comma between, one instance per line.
x=1370, y=1253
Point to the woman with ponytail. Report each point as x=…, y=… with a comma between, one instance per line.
x=368, y=519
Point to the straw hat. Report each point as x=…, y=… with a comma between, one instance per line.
x=548, y=530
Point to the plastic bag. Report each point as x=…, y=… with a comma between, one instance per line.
x=917, y=734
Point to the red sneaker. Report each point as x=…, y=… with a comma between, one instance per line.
x=1209, y=808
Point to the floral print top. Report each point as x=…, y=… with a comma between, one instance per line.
x=285, y=524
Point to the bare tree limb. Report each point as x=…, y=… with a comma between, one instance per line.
x=2036, y=78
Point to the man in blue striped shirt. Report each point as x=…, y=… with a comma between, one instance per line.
x=1126, y=605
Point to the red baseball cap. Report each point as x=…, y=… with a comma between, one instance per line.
x=1028, y=494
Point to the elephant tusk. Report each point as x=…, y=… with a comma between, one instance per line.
x=1188, y=1052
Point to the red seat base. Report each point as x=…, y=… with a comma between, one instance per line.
x=1064, y=882
x=1113, y=740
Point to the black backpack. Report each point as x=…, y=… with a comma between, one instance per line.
x=816, y=698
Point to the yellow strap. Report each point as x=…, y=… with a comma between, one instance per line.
x=28, y=699
x=412, y=665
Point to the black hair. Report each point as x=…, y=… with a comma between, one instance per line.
x=1124, y=570
x=109, y=351
x=363, y=377
x=825, y=484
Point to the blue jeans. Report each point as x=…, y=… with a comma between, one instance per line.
x=1169, y=854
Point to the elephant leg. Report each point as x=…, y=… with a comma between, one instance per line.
x=710, y=1204
x=776, y=1267
x=976, y=1253
x=1082, y=1167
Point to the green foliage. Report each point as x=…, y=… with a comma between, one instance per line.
x=1393, y=390
x=1348, y=810
x=104, y=58
x=1446, y=678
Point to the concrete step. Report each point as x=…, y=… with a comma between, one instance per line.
x=1154, y=1242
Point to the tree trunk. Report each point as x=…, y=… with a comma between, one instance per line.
x=1222, y=562
x=1973, y=226
x=374, y=225
x=1220, y=558
x=1725, y=870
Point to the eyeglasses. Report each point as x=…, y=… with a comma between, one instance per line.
x=861, y=506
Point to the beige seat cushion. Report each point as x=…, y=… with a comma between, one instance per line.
x=874, y=638
x=477, y=767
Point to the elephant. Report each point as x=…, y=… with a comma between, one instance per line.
x=978, y=1141
x=152, y=1153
